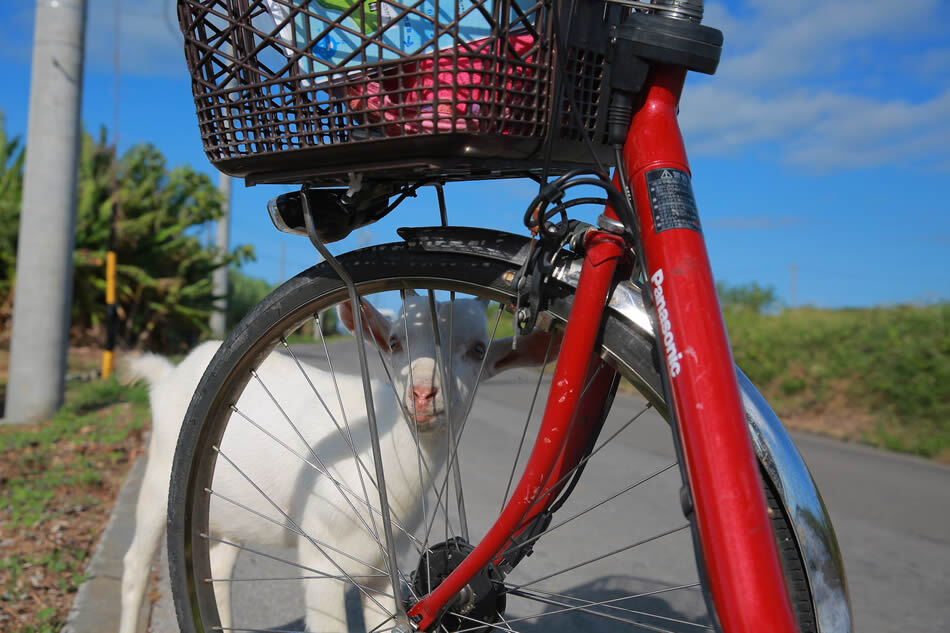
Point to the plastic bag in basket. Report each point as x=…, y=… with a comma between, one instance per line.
x=469, y=83
x=341, y=34
x=458, y=90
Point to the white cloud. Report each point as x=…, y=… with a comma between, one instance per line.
x=792, y=39
x=825, y=129
x=778, y=87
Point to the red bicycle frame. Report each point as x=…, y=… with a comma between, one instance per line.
x=739, y=556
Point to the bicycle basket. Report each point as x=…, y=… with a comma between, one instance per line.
x=311, y=90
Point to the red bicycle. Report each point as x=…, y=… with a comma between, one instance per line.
x=366, y=104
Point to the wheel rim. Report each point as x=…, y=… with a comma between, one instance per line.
x=590, y=589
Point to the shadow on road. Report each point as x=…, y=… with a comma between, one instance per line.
x=681, y=611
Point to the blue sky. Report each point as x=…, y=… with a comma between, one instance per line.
x=822, y=145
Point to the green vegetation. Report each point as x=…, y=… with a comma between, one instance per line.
x=506, y=324
x=37, y=453
x=164, y=271
x=747, y=297
x=60, y=478
x=881, y=373
x=12, y=158
x=244, y=292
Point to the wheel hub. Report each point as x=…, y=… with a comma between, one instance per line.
x=481, y=600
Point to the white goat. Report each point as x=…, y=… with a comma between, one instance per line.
x=325, y=497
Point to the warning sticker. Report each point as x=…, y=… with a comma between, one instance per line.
x=671, y=200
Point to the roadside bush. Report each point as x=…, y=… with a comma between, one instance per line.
x=891, y=364
x=164, y=292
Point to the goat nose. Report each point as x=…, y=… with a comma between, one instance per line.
x=424, y=393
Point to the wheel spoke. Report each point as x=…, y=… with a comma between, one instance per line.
x=248, y=630
x=420, y=459
x=317, y=459
x=378, y=628
x=556, y=486
x=293, y=529
x=524, y=431
x=590, y=508
x=468, y=410
x=339, y=397
x=309, y=538
x=603, y=556
x=481, y=623
x=397, y=522
x=505, y=622
x=609, y=604
x=346, y=436
x=451, y=437
x=388, y=514
x=586, y=608
x=584, y=460
x=315, y=577
x=415, y=436
x=441, y=368
x=250, y=550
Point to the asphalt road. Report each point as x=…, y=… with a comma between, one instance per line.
x=891, y=514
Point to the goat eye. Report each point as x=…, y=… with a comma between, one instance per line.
x=476, y=351
x=395, y=345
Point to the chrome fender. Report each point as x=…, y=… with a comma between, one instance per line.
x=805, y=508
x=783, y=465
x=780, y=458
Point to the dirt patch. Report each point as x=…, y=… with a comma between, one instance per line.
x=827, y=411
x=58, y=482
x=841, y=424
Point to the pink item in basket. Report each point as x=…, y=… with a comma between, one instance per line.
x=412, y=99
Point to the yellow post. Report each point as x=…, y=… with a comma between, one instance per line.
x=107, y=354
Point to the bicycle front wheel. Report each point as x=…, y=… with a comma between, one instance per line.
x=276, y=517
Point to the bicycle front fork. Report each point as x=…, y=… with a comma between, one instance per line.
x=726, y=504
x=724, y=499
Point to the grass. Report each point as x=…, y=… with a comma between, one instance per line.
x=881, y=375
x=308, y=339
x=506, y=324
x=59, y=480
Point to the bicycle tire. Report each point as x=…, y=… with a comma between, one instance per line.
x=377, y=269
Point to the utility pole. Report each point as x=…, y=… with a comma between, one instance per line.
x=44, y=280
x=219, y=279
x=283, y=261
x=793, y=299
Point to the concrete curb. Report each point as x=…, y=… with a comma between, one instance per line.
x=98, y=603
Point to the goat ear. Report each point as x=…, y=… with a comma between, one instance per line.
x=375, y=325
x=530, y=353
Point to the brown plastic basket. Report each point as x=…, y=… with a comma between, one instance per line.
x=298, y=91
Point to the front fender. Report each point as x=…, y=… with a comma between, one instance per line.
x=780, y=459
